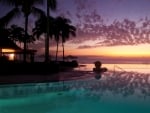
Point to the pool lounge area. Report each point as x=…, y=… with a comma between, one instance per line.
x=120, y=93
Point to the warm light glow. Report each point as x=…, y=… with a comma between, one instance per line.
x=11, y=56
x=128, y=51
x=8, y=50
x=113, y=51
x=9, y=53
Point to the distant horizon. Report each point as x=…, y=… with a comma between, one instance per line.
x=105, y=59
x=114, y=60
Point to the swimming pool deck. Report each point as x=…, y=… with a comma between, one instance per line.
x=39, y=78
x=12, y=73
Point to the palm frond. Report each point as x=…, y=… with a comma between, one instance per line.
x=38, y=12
x=9, y=16
x=52, y=4
x=16, y=33
x=40, y=26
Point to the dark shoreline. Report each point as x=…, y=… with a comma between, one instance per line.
x=15, y=72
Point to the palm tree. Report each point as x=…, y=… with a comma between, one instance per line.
x=65, y=30
x=51, y=4
x=40, y=28
x=4, y=21
x=56, y=33
x=27, y=7
x=57, y=41
x=17, y=34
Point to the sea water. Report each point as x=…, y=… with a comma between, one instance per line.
x=141, y=68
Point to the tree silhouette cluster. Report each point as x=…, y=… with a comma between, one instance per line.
x=60, y=29
x=45, y=24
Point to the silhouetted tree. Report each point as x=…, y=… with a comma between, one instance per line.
x=60, y=28
x=65, y=30
x=51, y=4
x=4, y=21
x=17, y=34
x=27, y=7
x=41, y=29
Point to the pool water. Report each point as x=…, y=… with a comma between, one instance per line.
x=78, y=96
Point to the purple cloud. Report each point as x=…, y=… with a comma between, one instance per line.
x=126, y=32
x=85, y=47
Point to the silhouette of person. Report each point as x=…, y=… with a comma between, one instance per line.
x=98, y=69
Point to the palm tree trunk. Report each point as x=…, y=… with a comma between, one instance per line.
x=25, y=43
x=57, y=51
x=47, y=36
x=63, y=51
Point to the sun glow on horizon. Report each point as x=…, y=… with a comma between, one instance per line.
x=114, y=51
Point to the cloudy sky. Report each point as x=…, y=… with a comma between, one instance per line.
x=104, y=27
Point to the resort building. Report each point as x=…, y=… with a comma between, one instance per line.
x=12, y=52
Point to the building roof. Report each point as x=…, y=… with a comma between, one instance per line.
x=8, y=44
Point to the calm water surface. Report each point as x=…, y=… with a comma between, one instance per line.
x=141, y=68
x=111, y=95
x=125, y=91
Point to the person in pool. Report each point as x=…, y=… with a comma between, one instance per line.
x=98, y=69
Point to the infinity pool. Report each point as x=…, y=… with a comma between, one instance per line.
x=108, y=95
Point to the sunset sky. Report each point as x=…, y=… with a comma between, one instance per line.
x=104, y=27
